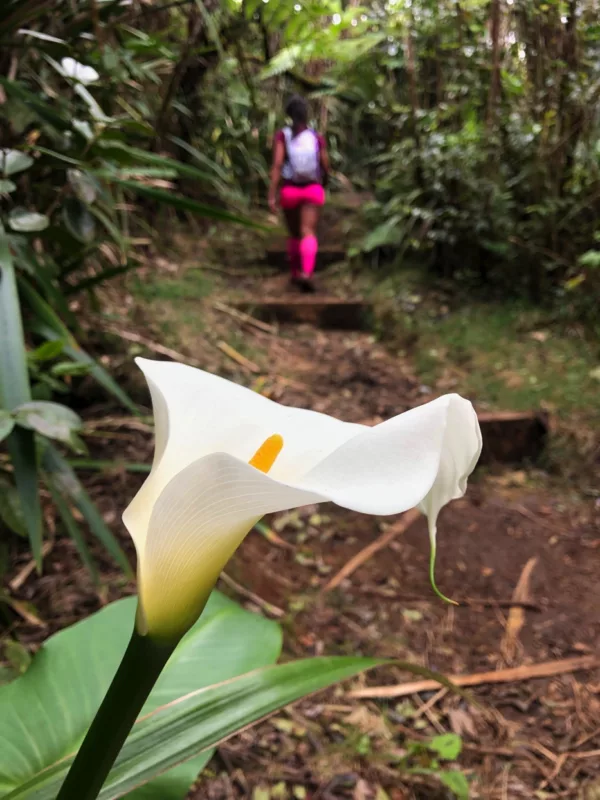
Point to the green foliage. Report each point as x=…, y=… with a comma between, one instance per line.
x=478, y=143
x=226, y=642
x=83, y=98
x=172, y=740
x=424, y=758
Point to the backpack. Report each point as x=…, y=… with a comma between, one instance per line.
x=302, y=153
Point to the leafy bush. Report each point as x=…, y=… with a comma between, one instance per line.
x=78, y=158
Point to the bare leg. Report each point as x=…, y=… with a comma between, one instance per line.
x=309, y=218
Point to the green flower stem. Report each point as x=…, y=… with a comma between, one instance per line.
x=432, y=578
x=142, y=663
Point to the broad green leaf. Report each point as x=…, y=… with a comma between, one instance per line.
x=54, y=702
x=15, y=389
x=84, y=185
x=78, y=220
x=13, y=161
x=7, y=423
x=67, y=483
x=6, y=186
x=49, y=325
x=446, y=745
x=11, y=512
x=17, y=656
x=42, y=108
x=180, y=731
x=53, y=420
x=46, y=351
x=24, y=221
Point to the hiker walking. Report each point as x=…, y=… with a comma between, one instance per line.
x=301, y=165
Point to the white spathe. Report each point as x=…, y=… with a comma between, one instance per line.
x=78, y=72
x=202, y=496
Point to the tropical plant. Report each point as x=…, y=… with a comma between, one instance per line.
x=215, y=683
x=204, y=493
x=78, y=157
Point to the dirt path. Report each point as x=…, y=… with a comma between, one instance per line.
x=530, y=736
x=387, y=608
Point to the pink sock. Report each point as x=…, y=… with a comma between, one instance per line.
x=308, y=254
x=293, y=251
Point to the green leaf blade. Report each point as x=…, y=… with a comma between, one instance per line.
x=67, y=483
x=57, y=697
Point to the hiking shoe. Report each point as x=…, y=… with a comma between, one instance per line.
x=307, y=284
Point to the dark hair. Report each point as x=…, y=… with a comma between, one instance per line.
x=297, y=108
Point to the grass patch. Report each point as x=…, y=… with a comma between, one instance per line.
x=503, y=354
x=192, y=285
x=503, y=357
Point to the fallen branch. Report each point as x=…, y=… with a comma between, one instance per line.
x=233, y=354
x=546, y=669
x=516, y=616
x=241, y=316
x=474, y=602
x=274, y=611
x=154, y=346
x=273, y=537
x=369, y=551
x=26, y=571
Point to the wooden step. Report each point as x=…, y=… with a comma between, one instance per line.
x=277, y=256
x=323, y=312
x=511, y=437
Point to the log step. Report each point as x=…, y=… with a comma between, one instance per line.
x=277, y=257
x=511, y=437
x=323, y=312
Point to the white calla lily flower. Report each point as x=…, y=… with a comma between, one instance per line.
x=78, y=72
x=225, y=456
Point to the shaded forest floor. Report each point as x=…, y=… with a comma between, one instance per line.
x=530, y=530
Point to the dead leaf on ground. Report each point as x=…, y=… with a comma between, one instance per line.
x=367, y=722
x=462, y=723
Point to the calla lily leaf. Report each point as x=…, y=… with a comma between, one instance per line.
x=55, y=700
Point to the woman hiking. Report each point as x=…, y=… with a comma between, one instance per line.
x=301, y=164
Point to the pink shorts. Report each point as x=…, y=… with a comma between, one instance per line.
x=294, y=196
